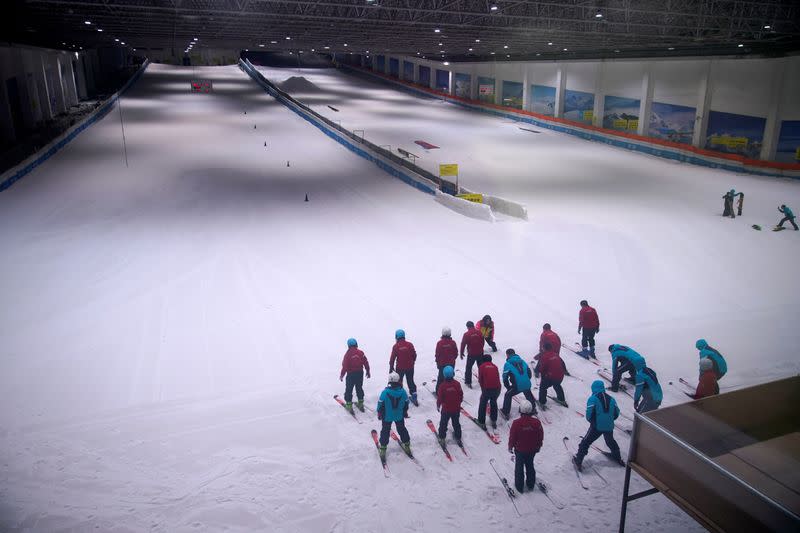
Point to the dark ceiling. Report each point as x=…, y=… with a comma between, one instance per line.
x=467, y=29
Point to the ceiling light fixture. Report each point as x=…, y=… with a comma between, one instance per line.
x=767, y=27
x=87, y=22
x=437, y=30
x=123, y=42
x=671, y=48
x=446, y=63
x=505, y=46
x=117, y=40
x=328, y=48
x=549, y=44
x=598, y=15
x=288, y=38
x=477, y=40
x=741, y=45
x=345, y=44
x=470, y=49
x=261, y=46
x=99, y=29
x=273, y=42
x=493, y=7
x=565, y=49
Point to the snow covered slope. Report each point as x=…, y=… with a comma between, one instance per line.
x=172, y=331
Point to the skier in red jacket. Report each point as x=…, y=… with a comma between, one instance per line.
x=548, y=335
x=402, y=360
x=449, y=402
x=353, y=365
x=473, y=341
x=489, y=379
x=551, y=368
x=446, y=353
x=589, y=322
x=707, y=386
x=525, y=441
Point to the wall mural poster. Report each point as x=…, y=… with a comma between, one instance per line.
x=381, y=63
x=408, y=71
x=621, y=114
x=394, y=67
x=578, y=106
x=463, y=85
x=486, y=90
x=442, y=80
x=512, y=94
x=735, y=134
x=543, y=99
x=789, y=142
x=425, y=76
x=672, y=122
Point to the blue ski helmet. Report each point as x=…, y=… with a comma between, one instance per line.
x=352, y=342
x=399, y=334
x=448, y=372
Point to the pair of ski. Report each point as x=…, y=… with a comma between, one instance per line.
x=606, y=375
x=579, y=471
x=494, y=437
x=512, y=494
x=443, y=445
x=394, y=436
x=351, y=411
x=689, y=386
x=583, y=354
x=628, y=431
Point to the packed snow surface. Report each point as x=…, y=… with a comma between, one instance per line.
x=172, y=330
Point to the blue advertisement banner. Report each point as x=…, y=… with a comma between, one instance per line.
x=486, y=90
x=735, y=134
x=512, y=94
x=463, y=85
x=425, y=76
x=621, y=114
x=789, y=142
x=442, y=80
x=671, y=122
x=543, y=99
x=394, y=67
x=381, y=63
x=578, y=106
x=408, y=71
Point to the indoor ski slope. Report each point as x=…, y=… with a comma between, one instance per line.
x=172, y=331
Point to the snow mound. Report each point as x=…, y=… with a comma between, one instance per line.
x=298, y=84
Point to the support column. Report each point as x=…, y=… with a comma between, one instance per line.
x=451, y=83
x=473, y=83
x=646, y=102
x=416, y=73
x=498, y=89
x=599, y=96
x=773, y=127
x=81, y=75
x=526, y=89
x=44, y=90
x=387, y=61
x=69, y=73
x=432, y=81
x=703, y=104
x=561, y=84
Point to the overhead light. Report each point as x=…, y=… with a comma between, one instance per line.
x=441, y=51
x=671, y=48
x=446, y=63
x=477, y=40
x=437, y=30
x=565, y=49
x=508, y=55
x=440, y=44
x=313, y=50
x=99, y=29
x=616, y=51
x=493, y=7
x=767, y=27
x=549, y=44
x=417, y=53
x=117, y=40
x=491, y=53
x=741, y=45
x=470, y=49
x=195, y=39
x=261, y=46
x=505, y=46
x=64, y=43
x=538, y=54
x=273, y=42
x=87, y=22
x=345, y=44
x=123, y=42
x=288, y=38
x=598, y=15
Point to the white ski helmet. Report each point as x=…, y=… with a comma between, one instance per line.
x=446, y=332
x=394, y=377
x=706, y=364
x=525, y=407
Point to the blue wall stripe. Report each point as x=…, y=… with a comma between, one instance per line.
x=52, y=150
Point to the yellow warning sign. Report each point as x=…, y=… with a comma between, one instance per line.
x=633, y=125
x=477, y=198
x=588, y=116
x=731, y=142
x=797, y=154
x=620, y=124
x=450, y=169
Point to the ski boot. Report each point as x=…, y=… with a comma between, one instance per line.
x=494, y=424
x=360, y=405
x=414, y=399
x=406, y=447
x=349, y=407
x=459, y=443
x=382, y=452
x=591, y=353
x=482, y=426
x=441, y=441
x=617, y=459
x=578, y=463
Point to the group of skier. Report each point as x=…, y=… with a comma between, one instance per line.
x=526, y=434
x=728, y=210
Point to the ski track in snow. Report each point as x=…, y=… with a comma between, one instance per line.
x=173, y=330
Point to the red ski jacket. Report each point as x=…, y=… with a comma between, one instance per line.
x=587, y=318
x=488, y=376
x=449, y=396
x=551, y=367
x=486, y=331
x=551, y=337
x=526, y=434
x=473, y=340
x=354, y=361
x=403, y=356
x=446, y=352
x=707, y=386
